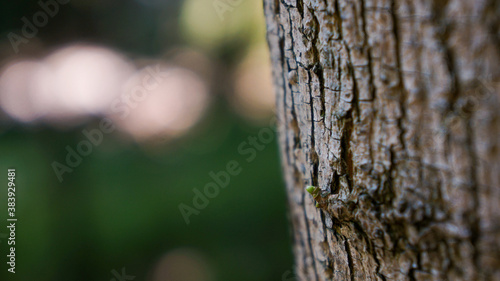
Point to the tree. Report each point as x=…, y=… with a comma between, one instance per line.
x=390, y=109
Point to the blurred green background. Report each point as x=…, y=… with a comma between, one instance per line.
x=120, y=207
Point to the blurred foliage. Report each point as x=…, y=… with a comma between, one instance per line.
x=210, y=26
x=119, y=208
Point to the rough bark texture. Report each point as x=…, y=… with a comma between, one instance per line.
x=392, y=109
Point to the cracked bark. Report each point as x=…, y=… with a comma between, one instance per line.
x=391, y=108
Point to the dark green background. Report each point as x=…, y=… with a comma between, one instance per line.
x=119, y=208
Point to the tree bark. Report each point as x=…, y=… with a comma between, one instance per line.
x=392, y=109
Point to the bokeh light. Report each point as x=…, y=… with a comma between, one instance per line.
x=212, y=23
x=254, y=93
x=79, y=80
x=69, y=84
x=165, y=104
x=16, y=90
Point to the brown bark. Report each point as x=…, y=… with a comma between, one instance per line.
x=392, y=109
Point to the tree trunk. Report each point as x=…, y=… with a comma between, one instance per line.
x=392, y=109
